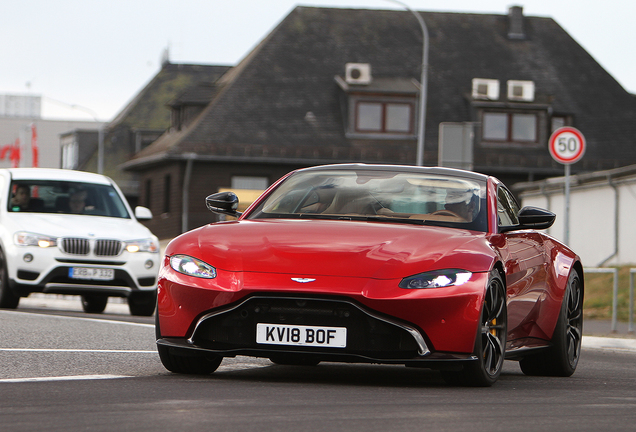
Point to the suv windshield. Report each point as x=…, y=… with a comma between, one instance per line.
x=66, y=197
x=406, y=197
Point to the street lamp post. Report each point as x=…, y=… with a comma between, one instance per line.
x=423, y=85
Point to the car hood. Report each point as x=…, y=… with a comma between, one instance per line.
x=64, y=225
x=335, y=248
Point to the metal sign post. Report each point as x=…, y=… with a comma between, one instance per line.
x=567, y=146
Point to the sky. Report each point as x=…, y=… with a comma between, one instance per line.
x=88, y=58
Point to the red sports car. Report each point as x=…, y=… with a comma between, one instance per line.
x=428, y=267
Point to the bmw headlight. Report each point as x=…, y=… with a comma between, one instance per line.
x=436, y=279
x=192, y=267
x=31, y=239
x=145, y=245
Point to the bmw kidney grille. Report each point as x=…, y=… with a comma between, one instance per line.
x=81, y=246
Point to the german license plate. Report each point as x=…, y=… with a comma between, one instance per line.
x=90, y=273
x=281, y=334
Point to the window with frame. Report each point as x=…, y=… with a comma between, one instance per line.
x=507, y=208
x=384, y=117
x=510, y=127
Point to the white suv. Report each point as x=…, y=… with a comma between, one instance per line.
x=72, y=232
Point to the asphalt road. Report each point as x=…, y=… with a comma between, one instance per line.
x=64, y=370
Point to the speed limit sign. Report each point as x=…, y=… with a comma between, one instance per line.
x=567, y=145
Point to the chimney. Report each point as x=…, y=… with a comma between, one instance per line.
x=515, y=18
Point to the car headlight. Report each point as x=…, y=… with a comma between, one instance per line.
x=436, y=279
x=145, y=245
x=31, y=239
x=192, y=267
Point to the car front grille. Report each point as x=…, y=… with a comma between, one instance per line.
x=368, y=334
x=81, y=246
x=75, y=246
x=108, y=247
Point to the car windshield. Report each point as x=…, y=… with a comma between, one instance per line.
x=391, y=196
x=66, y=197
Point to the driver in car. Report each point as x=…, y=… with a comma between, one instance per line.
x=463, y=203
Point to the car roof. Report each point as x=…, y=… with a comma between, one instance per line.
x=452, y=172
x=56, y=174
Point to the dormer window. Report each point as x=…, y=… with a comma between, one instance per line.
x=516, y=117
x=512, y=127
x=384, y=117
x=384, y=108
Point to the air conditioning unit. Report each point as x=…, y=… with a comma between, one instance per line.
x=485, y=89
x=521, y=90
x=358, y=73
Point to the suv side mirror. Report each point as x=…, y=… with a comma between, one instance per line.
x=531, y=218
x=143, y=213
x=224, y=203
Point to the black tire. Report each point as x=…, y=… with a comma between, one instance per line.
x=563, y=355
x=290, y=359
x=182, y=362
x=142, y=304
x=8, y=299
x=490, y=343
x=185, y=362
x=94, y=303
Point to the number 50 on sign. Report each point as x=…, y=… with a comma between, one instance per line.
x=567, y=145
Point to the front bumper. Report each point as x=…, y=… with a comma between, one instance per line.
x=371, y=337
x=419, y=324
x=47, y=271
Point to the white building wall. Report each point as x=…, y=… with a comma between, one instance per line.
x=593, y=216
x=627, y=225
x=48, y=131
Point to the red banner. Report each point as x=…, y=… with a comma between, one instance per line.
x=13, y=151
x=34, y=145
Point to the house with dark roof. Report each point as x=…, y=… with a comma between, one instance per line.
x=342, y=85
x=144, y=119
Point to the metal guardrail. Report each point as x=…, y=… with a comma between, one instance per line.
x=614, y=272
x=632, y=271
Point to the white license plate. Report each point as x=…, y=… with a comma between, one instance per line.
x=281, y=334
x=90, y=273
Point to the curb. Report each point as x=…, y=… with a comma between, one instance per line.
x=608, y=343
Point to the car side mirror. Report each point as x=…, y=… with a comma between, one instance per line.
x=224, y=203
x=143, y=213
x=532, y=218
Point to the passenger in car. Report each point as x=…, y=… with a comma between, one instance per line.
x=77, y=201
x=21, y=198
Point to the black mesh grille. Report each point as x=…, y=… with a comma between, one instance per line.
x=367, y=334
x=75, y=246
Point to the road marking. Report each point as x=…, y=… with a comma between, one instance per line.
x=605, y=343
x=76, y=350
x=63, y=378
x=100, y=320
